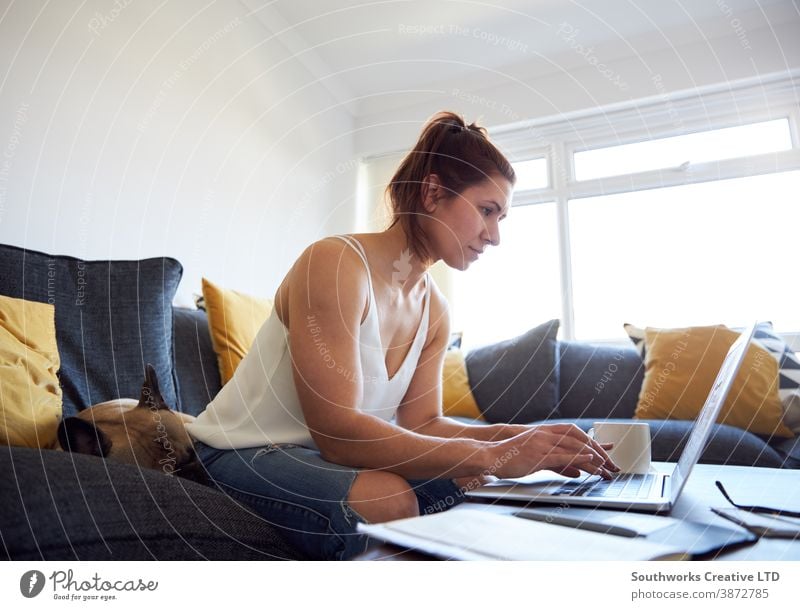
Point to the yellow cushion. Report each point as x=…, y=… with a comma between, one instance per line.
x=457, y=398
x=30, y=395
x=234, y=319
x=681, y=365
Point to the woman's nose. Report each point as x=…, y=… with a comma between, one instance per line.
x=491, y=234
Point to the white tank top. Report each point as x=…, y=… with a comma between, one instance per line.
x=259, y=405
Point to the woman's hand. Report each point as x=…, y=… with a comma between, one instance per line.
x=466, y=484
x=563, y=448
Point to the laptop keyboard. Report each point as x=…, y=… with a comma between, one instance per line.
x=627, y=486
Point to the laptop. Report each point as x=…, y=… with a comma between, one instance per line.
x=654, y=492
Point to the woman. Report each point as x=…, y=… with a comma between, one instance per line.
x=334, y=416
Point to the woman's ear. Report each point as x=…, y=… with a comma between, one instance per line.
x=431, y=192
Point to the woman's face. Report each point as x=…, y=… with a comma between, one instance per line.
x=460, y=227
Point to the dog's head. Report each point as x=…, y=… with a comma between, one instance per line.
x=146, y=433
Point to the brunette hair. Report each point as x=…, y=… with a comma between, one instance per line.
x=460, y=155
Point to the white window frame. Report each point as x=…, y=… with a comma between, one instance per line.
x=751, y=101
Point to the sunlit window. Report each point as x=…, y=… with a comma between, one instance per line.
x=718, y=144
x=512, y=287
x=531, y=174
x=711, y=242
x=712, y=253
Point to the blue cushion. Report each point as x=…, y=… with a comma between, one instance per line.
x=598, y=381
x=112, y=318
x=195, y=360
x=516, y=381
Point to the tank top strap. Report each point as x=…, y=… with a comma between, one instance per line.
x=356, y=245
x=427, y=306
x=428, y=281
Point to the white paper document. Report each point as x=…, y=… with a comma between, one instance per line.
x=479, y=535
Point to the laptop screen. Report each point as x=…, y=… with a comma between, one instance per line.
x=710, y=411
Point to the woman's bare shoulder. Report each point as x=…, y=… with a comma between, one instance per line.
x=327, y=272
x=329, y=255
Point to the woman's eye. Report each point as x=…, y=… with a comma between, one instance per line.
x=486, y=211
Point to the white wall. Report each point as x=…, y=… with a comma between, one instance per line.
x=144, y=128
x=136, y=129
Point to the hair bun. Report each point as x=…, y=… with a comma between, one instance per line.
x=455, y=125
x=478, y=129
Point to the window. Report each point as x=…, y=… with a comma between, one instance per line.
x=514, y=287
x=709, y=253
x=531, y=174
x=711, y=145
x=625, y=230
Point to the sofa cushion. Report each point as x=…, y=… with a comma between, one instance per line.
x=30, y=397
x=195, y=360
x=112, y=318
x=788, y=373
x=234, y=319
x=80, y=507
x=598, y=381
x=681, y=365
x=457, y=397
x=788, y=367
x=516, y=381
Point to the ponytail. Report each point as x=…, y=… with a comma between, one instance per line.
x=460, y=155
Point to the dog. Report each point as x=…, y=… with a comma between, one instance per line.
x=146, y=433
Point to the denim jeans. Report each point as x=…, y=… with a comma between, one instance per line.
x=305, y=497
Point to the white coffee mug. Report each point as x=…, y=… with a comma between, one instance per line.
x=631, y=451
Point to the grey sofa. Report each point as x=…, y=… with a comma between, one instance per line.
x=536, y=378
x=583, y=368
x=63, y=506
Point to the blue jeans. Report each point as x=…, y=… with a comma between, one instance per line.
x=305, y=497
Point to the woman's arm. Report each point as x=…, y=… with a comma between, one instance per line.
x=449, y=428
x=328, y=295
x=420, y=409
x=328, y=292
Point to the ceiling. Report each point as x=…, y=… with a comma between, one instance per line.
x=363, y=49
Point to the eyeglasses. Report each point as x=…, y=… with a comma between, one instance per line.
x=778, y=512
